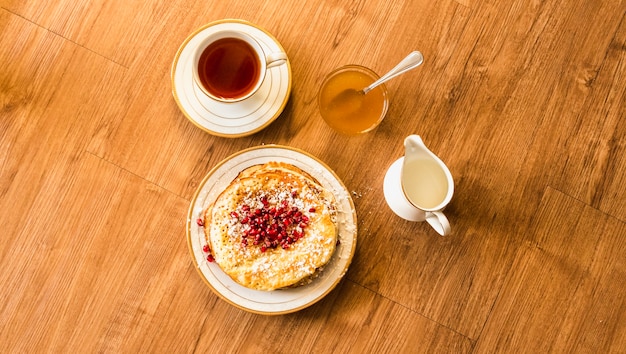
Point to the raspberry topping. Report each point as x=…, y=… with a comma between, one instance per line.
x=271, y=226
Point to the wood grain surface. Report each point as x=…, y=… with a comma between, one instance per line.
x=524, y=100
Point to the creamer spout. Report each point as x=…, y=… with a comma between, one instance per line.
x=413, y=145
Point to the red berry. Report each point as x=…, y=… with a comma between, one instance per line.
x=271, y=226
x=200, y=222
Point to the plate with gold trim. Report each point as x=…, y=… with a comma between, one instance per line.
x=234, y=119
x=284, y=300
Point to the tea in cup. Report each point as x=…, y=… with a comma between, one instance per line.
x=419, y=186
x=230, y=66
x=342, y=112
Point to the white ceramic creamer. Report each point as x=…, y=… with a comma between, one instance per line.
x=418, y=186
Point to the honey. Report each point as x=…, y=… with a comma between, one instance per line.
x=346, y=110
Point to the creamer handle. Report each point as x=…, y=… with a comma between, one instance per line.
x=439, y=222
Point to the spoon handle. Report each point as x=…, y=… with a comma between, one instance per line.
x=411, y=61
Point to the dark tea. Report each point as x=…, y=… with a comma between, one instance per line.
x=229, y=68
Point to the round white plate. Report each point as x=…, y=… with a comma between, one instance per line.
x=284, y=300
x=230, y=119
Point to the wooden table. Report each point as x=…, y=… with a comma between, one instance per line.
x=524, y=101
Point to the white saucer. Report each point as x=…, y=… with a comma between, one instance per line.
x=230, y=119
x=284, y=300
x=392, y=190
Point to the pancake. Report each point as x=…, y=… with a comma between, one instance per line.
x=274, y=226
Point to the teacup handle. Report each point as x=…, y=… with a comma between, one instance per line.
x=275, y=59
x=439, y=222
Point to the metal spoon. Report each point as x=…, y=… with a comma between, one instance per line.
x=351, y=99
x=411, y=61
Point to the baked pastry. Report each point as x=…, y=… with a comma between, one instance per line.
x=274, y=226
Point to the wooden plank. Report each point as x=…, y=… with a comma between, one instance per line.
x=94, y=263
x=565, y=291
x=350, y=319
x=53, y=94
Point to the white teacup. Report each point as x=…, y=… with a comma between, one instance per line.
x=436, y=194
x=230, y=66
